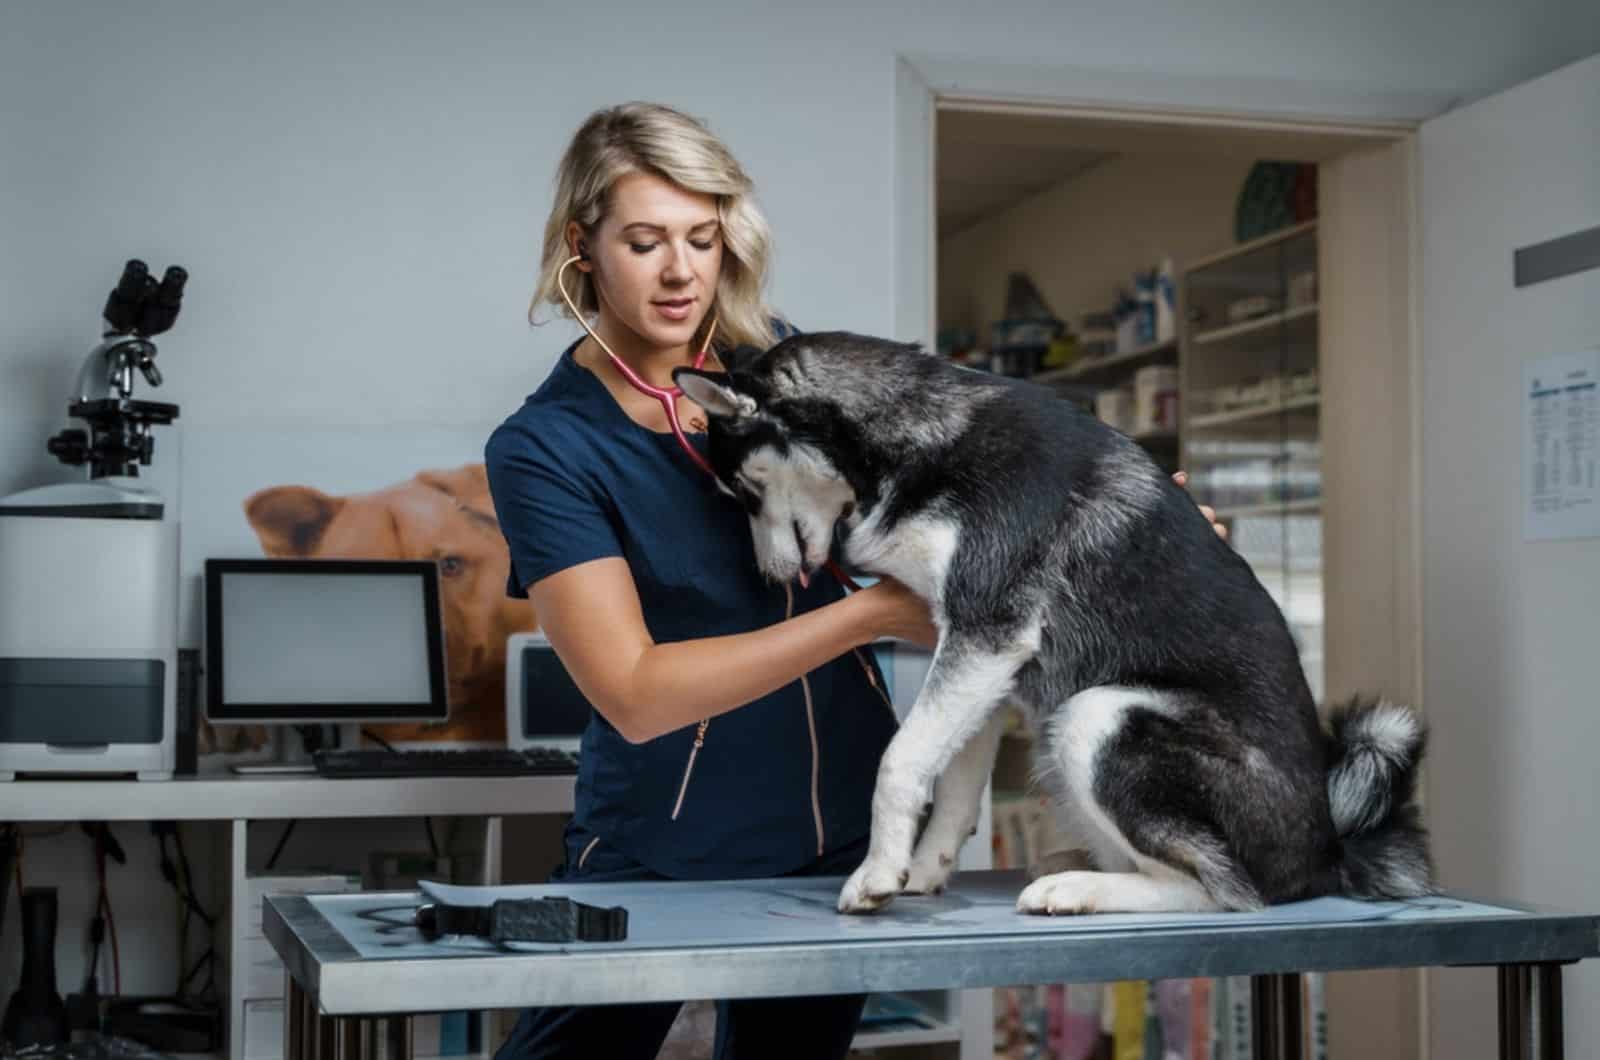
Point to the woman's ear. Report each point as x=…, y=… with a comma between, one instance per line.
x=714, y=392
x=577, y=246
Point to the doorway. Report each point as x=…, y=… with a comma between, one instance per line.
x=1277, y=372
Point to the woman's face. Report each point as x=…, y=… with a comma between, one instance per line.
x=656, y=257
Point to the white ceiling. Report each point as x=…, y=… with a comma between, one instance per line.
x=986, y=162
x=978, y=180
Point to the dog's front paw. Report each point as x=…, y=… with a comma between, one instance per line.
x=1064, y=893
x=872, y=886
x=930, y=871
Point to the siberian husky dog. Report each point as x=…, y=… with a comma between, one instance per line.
x=1068, y=574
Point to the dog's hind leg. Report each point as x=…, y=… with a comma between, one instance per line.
x=957, y=798
x=1115, y=892
x=965, y=685
x=1135, y=789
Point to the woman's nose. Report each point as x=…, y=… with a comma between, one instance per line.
x=677, y=267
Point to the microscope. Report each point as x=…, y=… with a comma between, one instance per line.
x=89, y=570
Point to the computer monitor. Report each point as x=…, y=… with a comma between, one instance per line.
x=323, y=641
x=544, y=707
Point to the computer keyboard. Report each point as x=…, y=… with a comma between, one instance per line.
x=461, y=762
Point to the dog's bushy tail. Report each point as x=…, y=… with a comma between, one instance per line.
x=1374, y=752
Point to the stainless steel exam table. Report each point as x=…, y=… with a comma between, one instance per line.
x=357, y=967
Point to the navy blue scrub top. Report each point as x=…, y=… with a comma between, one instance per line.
x=575, y=479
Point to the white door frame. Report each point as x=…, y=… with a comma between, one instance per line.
x=925, y=85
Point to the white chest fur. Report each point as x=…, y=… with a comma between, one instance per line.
x=916, y=552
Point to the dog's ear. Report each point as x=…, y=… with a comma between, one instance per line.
x=714, y=392
x=462, y=483
x=290, y=520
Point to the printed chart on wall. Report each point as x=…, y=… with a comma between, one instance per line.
x=1561, y=446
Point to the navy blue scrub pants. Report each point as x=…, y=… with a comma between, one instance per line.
x=816, y=1028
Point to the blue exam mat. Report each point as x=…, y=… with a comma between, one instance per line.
x=677, y=915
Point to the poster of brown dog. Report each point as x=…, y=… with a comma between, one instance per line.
x=445, y=516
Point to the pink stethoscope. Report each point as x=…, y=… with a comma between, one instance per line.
x=667, y=396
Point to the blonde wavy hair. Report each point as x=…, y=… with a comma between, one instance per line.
x=653, y=138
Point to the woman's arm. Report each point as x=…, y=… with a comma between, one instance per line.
x=591, y=614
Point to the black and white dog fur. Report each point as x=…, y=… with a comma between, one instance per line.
x=1068, y=574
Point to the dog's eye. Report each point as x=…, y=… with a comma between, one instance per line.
x=848, y=510
x=450, y=566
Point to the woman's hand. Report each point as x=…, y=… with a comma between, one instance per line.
x=899, y=613
x=1182, y=479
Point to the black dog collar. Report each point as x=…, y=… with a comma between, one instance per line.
x=526, y=920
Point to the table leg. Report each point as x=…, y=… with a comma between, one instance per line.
x=348, y=1032
x=327, y=1034
x=1512, y=1008
x=371, y=1040
x=1530, y=1012
x=310, y=1035
x=293, y=1047
x=1547, y=983
x=1276, y=1022
x=397, y=1037
x=1292, y=1020
x=1264, y=1014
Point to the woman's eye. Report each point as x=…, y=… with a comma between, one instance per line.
x=707, y=245
x=641, y=248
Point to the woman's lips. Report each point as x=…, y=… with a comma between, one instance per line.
x=675, y=309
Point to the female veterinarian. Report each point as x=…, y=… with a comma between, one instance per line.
x=738, y=724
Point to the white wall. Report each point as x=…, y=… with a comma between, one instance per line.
x=357, y=188
x=1082, y=239
x=1509, y=625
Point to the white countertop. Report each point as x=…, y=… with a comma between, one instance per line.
x=227, y=796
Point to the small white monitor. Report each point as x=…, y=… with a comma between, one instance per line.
x=323, y=641
x=544, y=707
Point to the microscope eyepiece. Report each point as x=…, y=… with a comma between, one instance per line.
x=133, y=274
x=172, y=282
x=123, y=305
x=161, y=307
